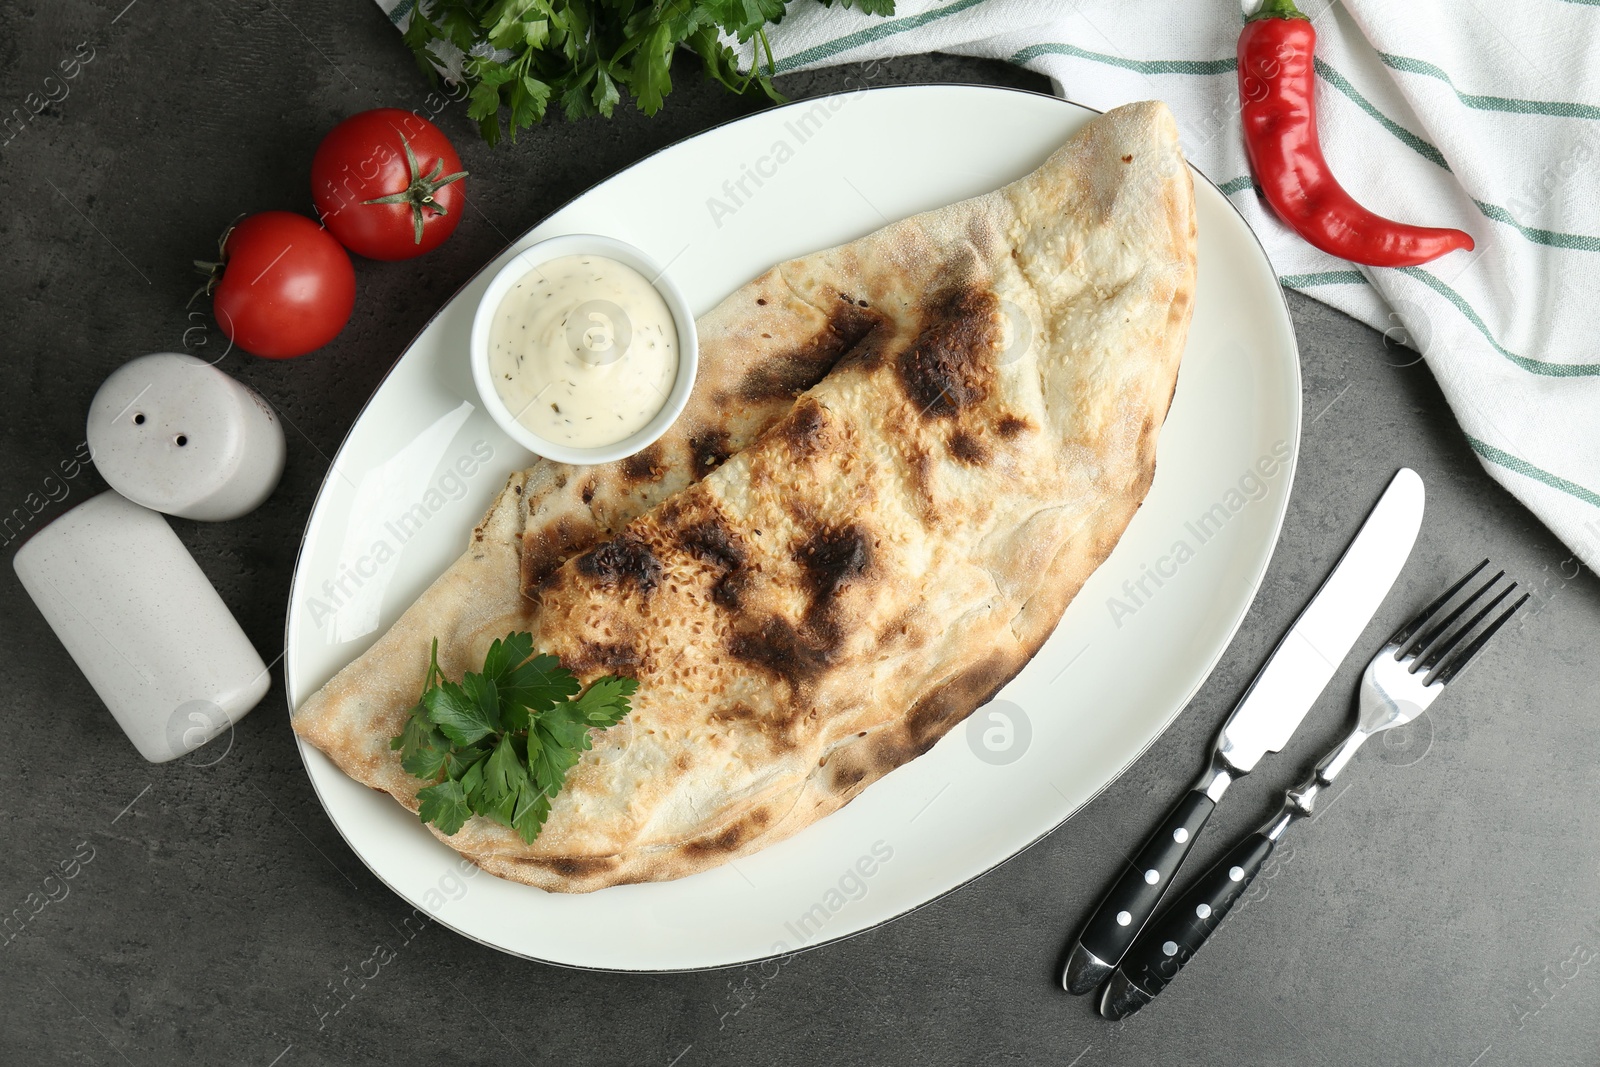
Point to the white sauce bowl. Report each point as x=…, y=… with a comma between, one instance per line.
x=577, y=244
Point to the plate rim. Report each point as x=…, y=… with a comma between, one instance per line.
x=301, y=746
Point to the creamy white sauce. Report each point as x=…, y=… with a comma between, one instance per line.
x=583, y=351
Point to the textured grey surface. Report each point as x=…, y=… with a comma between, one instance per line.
x=1444, y=909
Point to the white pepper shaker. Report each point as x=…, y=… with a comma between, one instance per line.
x=177, y=435
x=143, y=624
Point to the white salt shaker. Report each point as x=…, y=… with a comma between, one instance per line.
x=143, y=624
x=176, y=434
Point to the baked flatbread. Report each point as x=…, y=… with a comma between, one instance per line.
x=815, y=593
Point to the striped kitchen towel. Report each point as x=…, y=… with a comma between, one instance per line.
x=1476, y=116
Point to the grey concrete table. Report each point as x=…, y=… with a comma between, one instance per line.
x=1444, y=909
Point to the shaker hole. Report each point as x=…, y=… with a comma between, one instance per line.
x=180, y=440
x=138, y=420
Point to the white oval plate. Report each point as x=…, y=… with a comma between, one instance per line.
x=423, y=462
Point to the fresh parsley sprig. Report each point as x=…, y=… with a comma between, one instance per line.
x=522, y=54
x=499, y=743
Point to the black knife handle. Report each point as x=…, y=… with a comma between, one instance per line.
x=1129, y=904
x=1179, y=931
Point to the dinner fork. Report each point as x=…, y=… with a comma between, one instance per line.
x=1399, y=684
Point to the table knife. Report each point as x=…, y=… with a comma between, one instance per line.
x=1263, y=721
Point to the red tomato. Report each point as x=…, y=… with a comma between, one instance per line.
x=388, y=184
x=286, y=288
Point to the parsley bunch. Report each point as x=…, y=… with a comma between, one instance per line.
x=499, y=744
x=522, y=54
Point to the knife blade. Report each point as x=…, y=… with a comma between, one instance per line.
x=1263, y=721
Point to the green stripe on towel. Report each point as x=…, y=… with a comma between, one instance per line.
x=1341, y=83
x=876, y=32
x=1326, y=277
x=1528, y=470
x=1143, y=66
x=1480, y=102
x=1534, y=366
x=1552, y=238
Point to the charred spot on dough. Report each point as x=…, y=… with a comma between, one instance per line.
x=853, y=763
x=956, y=698
x=587, y=492
x=1127, y=159
x=735, y=713
x=831, y=559
x=787, y=376
x=674, y=512
x=1012, y=425
x=850, y=323
x=645, y=465
x=575, y=866
x=610, y=657
x=728, y=839
x=709, y=449
x=775, y=730
x=730, y=589
x=967, y=448
x=890, y=750
x=846, y=776
x=945, y=370
x=804, y=429
x=783, y=378
x=546, y=549
x=624, y=558
x=867, y=356
x=777, y=646
x=712, y=543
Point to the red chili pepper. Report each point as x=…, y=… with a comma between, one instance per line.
x=1277, y=83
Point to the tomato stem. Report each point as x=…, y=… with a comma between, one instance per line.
x=213, y=271
x=419, y=194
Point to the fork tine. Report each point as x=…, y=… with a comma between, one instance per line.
x=1417, y=647
x=1455, y=666
x=1443, y=650
x=1403, y=636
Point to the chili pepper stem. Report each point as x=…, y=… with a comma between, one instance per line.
x=1276, y=9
